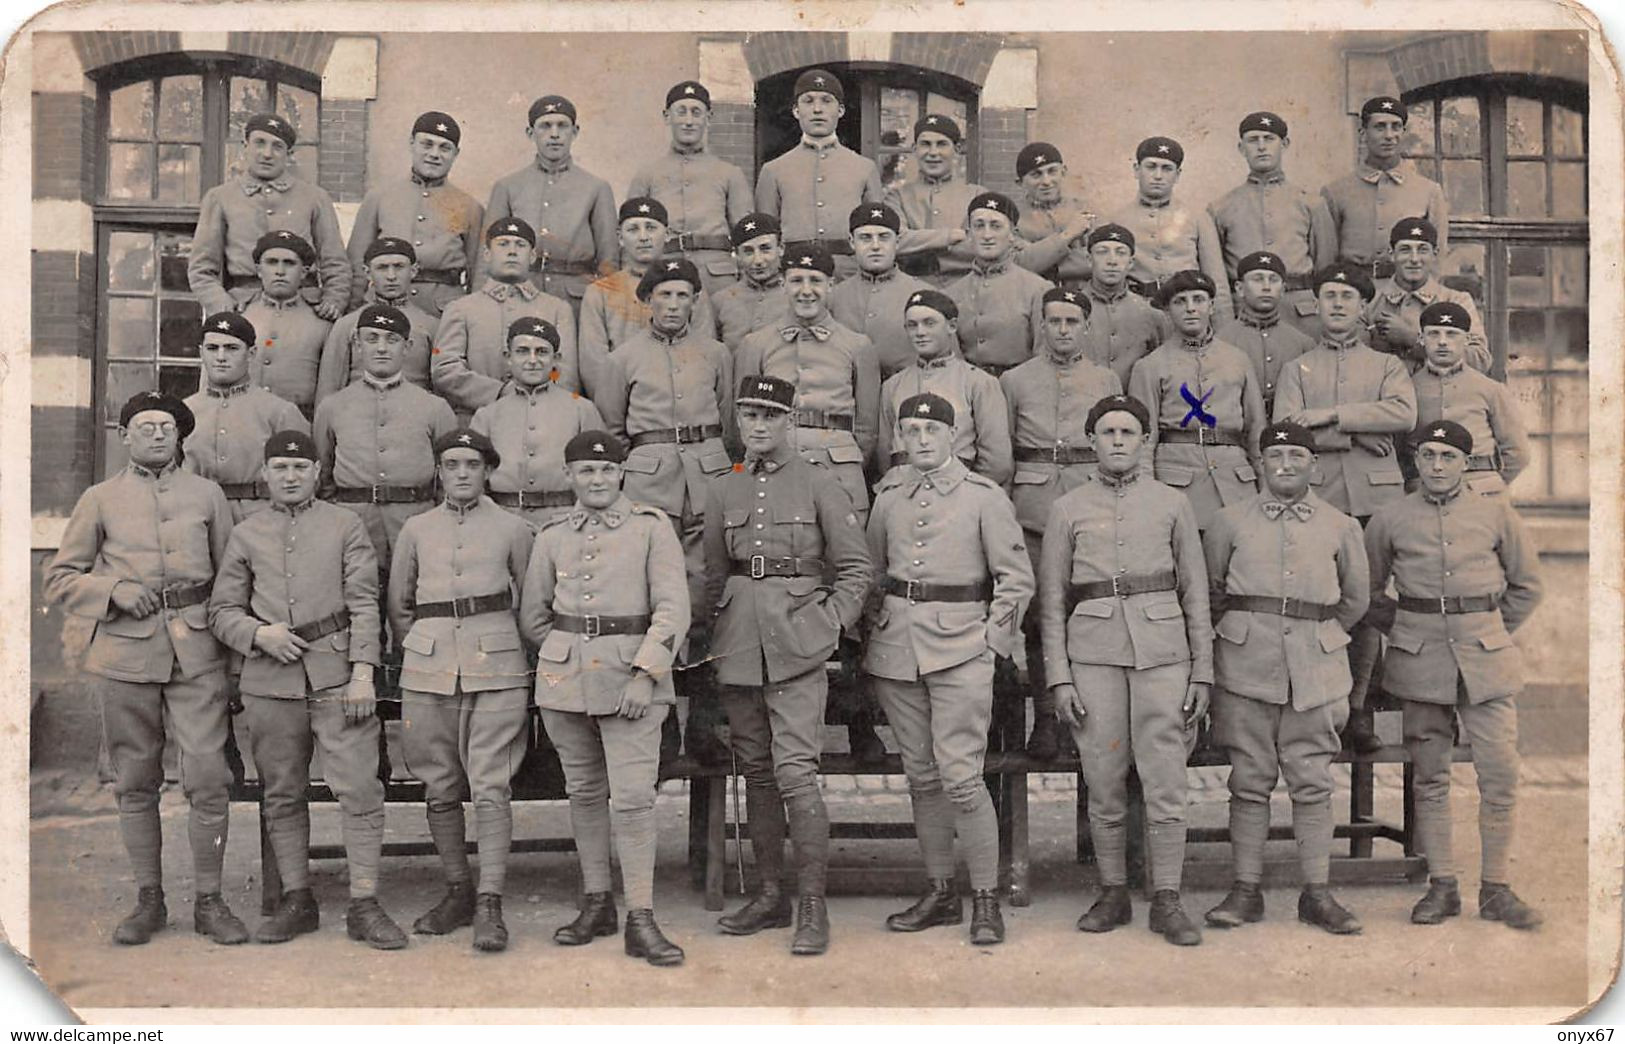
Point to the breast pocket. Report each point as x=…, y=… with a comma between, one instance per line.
x=1246, y=474
x=1332, y=636
x=641, y=463
x=1085, y=625
x=1028, y=476
x=498, y=643
x=418, y=642
x=1233, y=627
x=722, y=269
x=1173, y=474
x=716, y=462
x=1385, y=477
x=845, y=455
x=736, y=532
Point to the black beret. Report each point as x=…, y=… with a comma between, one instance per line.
x=1110, y=233
x=384, y=317
x=550, y=105
x=926, y=406
x=1286, y=433
x=151, y=400
x=758, y=389
x=271, y=123
x=594, y=445
x=935, y=299
x=511, y=226
x=438, y=124
x=533, y=326
x=1160, y=148
x=996, y=202
x=644, y=207
x=1062, y=295
x=468, y=438
x=819, y=80
x=1349, y=274
x=1448, y=432
x=234, y=324
x=816, y=257
x=1188, y=279
x=938, y=124
x=1261, y=261
x=666, y=270
x=750, y=226
x=1117, y=404
x=290, y=443
x=1383, y=105
x=1262, y=121
x=282, y=239
x=1446, y=313
x=1419, y=228
x=386, y=245
x=874, y=214
x=693, y=90
x=1034, y=155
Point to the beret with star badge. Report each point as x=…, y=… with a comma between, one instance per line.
x=692, y=90
x=1262, y=121
x=271, y=123
x=936, y=123
x=751, y=226
x=644, y=207
x=666, y=270
x=1110, y=233
x=933, y=299
x=1063, y=295
x=1349, y=274
x=1286, y=433
x=815, y=258
x=511, y=226
x=874, y=214
x=468, y=438
x=1447, y=314
x=440, y=125
x=1383, y=105
x=1160, y=148
x=533, y=326
x=1186, y=280
x=290, y=443
x=141, y=402
x=926, y=406
x=282, y=239
x=1034, y=155
x=1417, y=228
x=594, y=445
x=1261, y=261
x=819, y=80
x=1448, y=432
x=550, y=105
x=233, y=324
x=388, y=245
x=996, y=202
x=384, y=317
x=1117, y=404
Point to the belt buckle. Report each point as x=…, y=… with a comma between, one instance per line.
x=461, y=607
x=677, y=434
x=1285, y=602
x=163, y=598
x=593, y=625
x=1444, y=605
x=912, y=590
x=1116, y=591
x=1055, y=454
x=758, y=566
x=373, y=491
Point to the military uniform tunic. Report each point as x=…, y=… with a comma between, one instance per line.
x=982, y=424
x=1485, y=407
x=1367, y=204
x=814, y=186
x=873, y=305
x=1170, y=238
x=1001, y=314
x=1049, y=400
x=931, y=210
x=341, y=364
x=1392, y=300
x=1043, y=249
x=529, y=427
x=1123, y=328
x=1269, y=345
x=573, y=213
x=611, y=315
x=441, y=221
x=1268, y=212
x=704, y=196
x=467, y=365
x=232, y=218
x=746, y=307
x=292, y=338
x=227, y=441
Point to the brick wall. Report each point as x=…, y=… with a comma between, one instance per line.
x=1436, y=59
x=1002, y=134
x=733, y=134
x=343, y=160
x=966, y=55
x=97, y=49
x=769, y=53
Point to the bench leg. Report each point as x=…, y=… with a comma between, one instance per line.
x=1134, y=828
x=1016, y=861
x=699, y=810
x=716, y=841
x=270, y=873
x=1362, y=805
x=1085, y=840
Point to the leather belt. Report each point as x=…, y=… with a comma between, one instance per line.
x=245, y=490
x=1202, y=436
x=919, y=591
x=1451, y=605
x=593, y=625
x=993, y=369
x=1056, y=454
x=810, y=418
x=926, y=264
x=1122, y=586
x=1382, y=268
x=236, y=282
x=834, y=246
x=332, y=623
x=442, y=276
x=553, y=266
x=1298, y=282
x=900, y=457
x=542, y=499
x=759, y=567
x=383, y=494
x=1476, y=462
x=1151, y=289
x=461, y=607
x=684, y=434
x=683, y=242
x=179, y=596
x=1296, y=608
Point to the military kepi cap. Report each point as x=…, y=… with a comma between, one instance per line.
x=1448, y=432
x=1160, y=148
x=1262, y=121
x=282, y=239
x=1034, y=155
x=926, y=406
x=1110, y=233
x=819, y=80
x=271, y=123
x=384, y=246
x=1349, y=274
x=816, y=257
x=384, y=317
x=1189, y=279
x=1117, y=404
x=234, y=324
x=1286, y=433
x=751, y=226
x=691, y=90
x=550, y=105
x=1261, y=261
x=594, y=444
x=1418, y=228
x=1446, y=313
x=665, y=271
x=511, y=226
x=1064, y=295
x=758, y=389
x=152, y=400
x=533, y=326
x=996, y=202
x=936, y=123
x=933, y=299
x=1383, y=105
x=644, y=207
x=468, y=438
x=290, y=443
x=874, y=214
x=438, y=124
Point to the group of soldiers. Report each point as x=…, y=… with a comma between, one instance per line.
x=1226, y=451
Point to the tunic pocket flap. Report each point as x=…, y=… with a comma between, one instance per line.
x=641, y=464
x=957, y=618
x=1026, y=476
x=1332, y=636
x=556, y=646
x=1246, y=473
x=732, y=518
x=1163, y=611
x=339, y=641
x=1305, y=307
x=576, y=291
x=716, y=462
x=196, y=617
x=1099, y=608
x=1172, y=475
x=1498, y=640
x=791, y=513
x=1409, y=643
x=1233, y=627
x=490, y=643
x=722, y=268
x=1385, y=478
x=845, y=455
x=126, y=626
x=418, y=642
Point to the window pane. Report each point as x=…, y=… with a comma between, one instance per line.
x=1459, y=127
x=1526, y=271
x=173, y=248
x=1569, y=275
x=1463, y=267
x=1532, y=483
x=1570, y=470
x=129, y=329
x=1526, y=189
x=248, y=97
x=129, y=261
x=1571, y=340
x=180, y=173
x=299, y=107
x=129, y=112
x=937, y=103
x=1526, y=339
x=1568, y=190
x=129, y=172
x=1571, y=405
x=899, y=108
x=1568, y=132
x=1524, y=127
x=1464, y=187
x=179, y=381
x=180, y=327
x=1529, y=398
x=1418, y=140
x=180, y=108
x=123, y=381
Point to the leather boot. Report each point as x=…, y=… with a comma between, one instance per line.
x=149, y=917
x=1360, y=735
x=644, y=939
x=212, y=917
x=986, y=921
x=1111, y=909
x=1497, y=902
x=1168, y=919
x=365, y=921
x=1443, y=900
x=490, y=934
x=941, y=905
x=769, y=909
x=296, y=914
x=1317, y=906
x=1244, y=904
x=454, y=910
x=597, y=919
x=1043, y=744
x=671, y=740
x=812, y=927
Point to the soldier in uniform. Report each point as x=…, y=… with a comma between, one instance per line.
x=1383, y=189
x=221, y=268
x=1393, y=313
x=304, y=614
x=870, y=302
x=1000, y=300
x=1049, y=398
x=137, y=558
x=1128, y=655
x=774, y=530
x=1466, y=575
x=1268, y=213
x=572, y=210
x=530, y=423
x=703, y=194
x=1206, y=406
x=809, y=187
x=292, y=333
x=757, y=299
x=1289, y=579
x=1169, y=237
x=1123, y=327
x=1054, y=227
x=954, y=581
x=465, y=679
x=933, y=244
x=1448, y=389
x=390, y=264
x=232, y=416
x=1355, y=400
x=440, y=221
x=606, y=602
x=1258, y=328
x=468, y=368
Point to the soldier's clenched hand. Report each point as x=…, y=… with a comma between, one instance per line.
x=637, y=697
x=360, y=699
x=1196, y=701
x=134, y=599
x=1068, y=704
x=280, y=643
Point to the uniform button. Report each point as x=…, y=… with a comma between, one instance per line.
x=921, y=522
x=758, y=543
x=1287, y=573
x=919, y=543
x=918, y=562
x=761, y=493
x=417, y=242
x=820, y=178
x=592, y=536
x=1286, y=630
x=924, y=504
x=420, y=217
x=587, y=576
x=586, y=598
x=1448, y=573
x=760, y=526
x=425, y=195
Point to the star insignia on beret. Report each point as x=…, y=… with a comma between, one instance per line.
x=1339, y=275
x=511, y=228
x=643, y=208
x=465, y=439
x=1438, y=433
x=750, y=226
x=382, y=320
x=273, y=122
x=686, y=90
x=1280, y=436
x=1416, y=231
x=818, y=81
x=284, y=235
x=671, y=266
x=292, y=446
x=877, y=213
x=1070, y=295
x=992, y=204
x=598, y=447
x=550, y=106
x=915, y=299
x=806, y=260
x=932, y=121
x=1162, y=148
x=1266, y=121
x=441, y=126
x=1387, y=105
x=1114, y=235
x=222, y=325
x=924, y=407
x=1444, y=320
